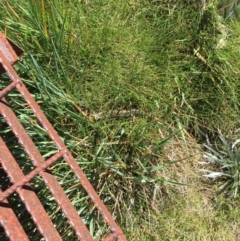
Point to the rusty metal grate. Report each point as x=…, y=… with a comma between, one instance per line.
x=9, y=53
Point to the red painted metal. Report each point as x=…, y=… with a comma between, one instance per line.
x=8, y=55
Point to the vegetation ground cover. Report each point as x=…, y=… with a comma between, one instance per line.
x=133, y=88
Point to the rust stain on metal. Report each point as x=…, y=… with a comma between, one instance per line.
x=8, y=220
x=29, y=176
x=10, y=50
x=9, y=55
x=28, y=197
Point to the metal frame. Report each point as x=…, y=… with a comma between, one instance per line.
x=9, y=53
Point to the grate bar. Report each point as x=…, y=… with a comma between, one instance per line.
x=111, y=237
x=27, y=195
x=30, y=176
x=10, y=223
x=6, y=48
x=7, y=89
x=52, y=183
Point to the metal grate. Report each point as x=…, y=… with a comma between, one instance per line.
x=9, y=53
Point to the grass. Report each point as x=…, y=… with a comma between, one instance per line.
x=189, y=218
x=132, y=87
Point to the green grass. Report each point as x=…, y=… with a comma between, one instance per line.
x=122, y=81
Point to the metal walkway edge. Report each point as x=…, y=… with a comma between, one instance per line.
x=9, y=53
